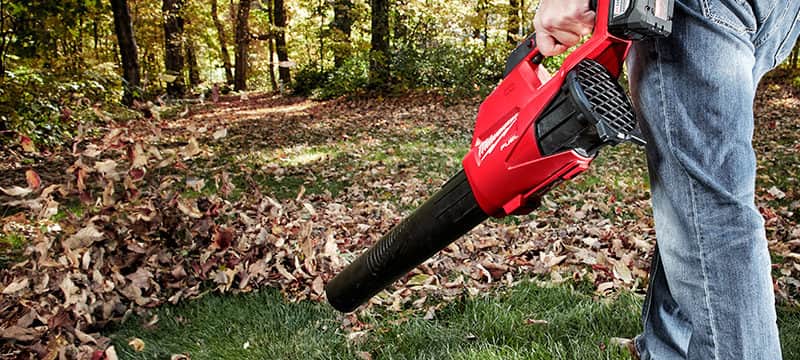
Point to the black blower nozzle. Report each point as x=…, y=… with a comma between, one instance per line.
x=445, y=217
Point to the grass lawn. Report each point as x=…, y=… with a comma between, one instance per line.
x=503, y=325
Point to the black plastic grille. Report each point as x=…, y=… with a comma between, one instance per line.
x=606, y=96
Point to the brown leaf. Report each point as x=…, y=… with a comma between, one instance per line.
x=16, y=191
x=111, y=353
x=318, y=286
x=136, y=173
x=16, y=286
x=34, y=181
x=622, y=272
x=84, y=237
x=222, y=238
x=19, y=334
x=84, y=338
x=190, y=150
x=137, y=156
x=72, y=293
x=189, y=207
x=107, y=169
x=141, y=278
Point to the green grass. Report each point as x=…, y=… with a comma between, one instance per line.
x=11, y=247
x=491, y=326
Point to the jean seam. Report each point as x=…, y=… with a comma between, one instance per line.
x=700, y=240
x=711, y=15
x=697, y=231
x=649, y=303
x=778, y=53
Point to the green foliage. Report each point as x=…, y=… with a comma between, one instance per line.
x=351, y=77
x=11, y=247
x=47, y=106
x=457, y=68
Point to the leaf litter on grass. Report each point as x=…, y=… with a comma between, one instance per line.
x=172, y=209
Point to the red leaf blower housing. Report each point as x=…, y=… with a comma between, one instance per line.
x=532, y=132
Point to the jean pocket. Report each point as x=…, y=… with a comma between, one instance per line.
x=786, y=46
x=736, y=15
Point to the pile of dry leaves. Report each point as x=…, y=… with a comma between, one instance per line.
x=155, y=213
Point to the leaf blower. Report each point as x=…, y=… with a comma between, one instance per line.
x=532, y=132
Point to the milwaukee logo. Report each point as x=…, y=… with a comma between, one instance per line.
x=508, y=142
x=487, y=146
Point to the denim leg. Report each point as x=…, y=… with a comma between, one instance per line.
x=710, y=293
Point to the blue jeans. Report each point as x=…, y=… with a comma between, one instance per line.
x=710, y=294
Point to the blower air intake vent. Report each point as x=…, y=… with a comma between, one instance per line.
x=607, y=98
x=590, y=111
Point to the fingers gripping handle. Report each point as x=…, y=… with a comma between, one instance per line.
x=528, y=49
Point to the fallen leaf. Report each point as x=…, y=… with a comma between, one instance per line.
x=318, y=286
x=19, y=334
x=136, y=344
x=111, y=353
x=27, y=144
x=777, y=193
x=536, y=322
x=219, y=134
x=190, y=150
x=189, y=207
x=622, y=272
x=92, y=151
x=16, y=191
x=84, y=237
x=223, y=238
x=16, y=286
x=107, y=169
x=84, y=338
x=195, y=184
x=34, y=181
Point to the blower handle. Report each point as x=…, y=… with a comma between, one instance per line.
x=445, y=217
x=528, y=48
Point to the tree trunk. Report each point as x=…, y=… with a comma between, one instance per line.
x=342, y=28
x=242, y=45
x=127, y=50
x=273, y=82
x=173, y=40
x=279, y=15
x=379, y=56
x=223, y=43
x=512, y=28
x=194, y=69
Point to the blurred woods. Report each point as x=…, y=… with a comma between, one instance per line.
x=78, y=61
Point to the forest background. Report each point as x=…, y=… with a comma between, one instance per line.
x=153, y=151
x=62, y=60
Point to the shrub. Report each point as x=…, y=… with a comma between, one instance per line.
x=46, y=106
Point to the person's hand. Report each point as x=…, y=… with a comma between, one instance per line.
x=560, y=24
